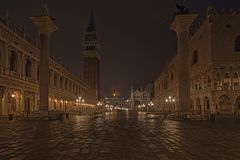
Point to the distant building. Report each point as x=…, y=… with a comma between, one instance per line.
x=203, y=76
x=139, y=97
x=115, y=102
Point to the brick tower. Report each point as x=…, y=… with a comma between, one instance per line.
x=91, y=56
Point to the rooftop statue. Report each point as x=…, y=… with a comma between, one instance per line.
x=182, y=9
x=45, y=10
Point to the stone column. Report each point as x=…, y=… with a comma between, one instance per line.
x=45, y=27
x=44, y=72
x=181, y=25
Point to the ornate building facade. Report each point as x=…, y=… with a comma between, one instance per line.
x=203, y=76
x=91, y=55
x=140, y=98
x=19, y=77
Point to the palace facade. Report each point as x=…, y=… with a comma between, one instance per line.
x=19, y=77
x=204, y=75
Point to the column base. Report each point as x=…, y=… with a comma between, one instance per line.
x=46, y=115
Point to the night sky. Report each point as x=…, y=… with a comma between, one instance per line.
x=134, y=34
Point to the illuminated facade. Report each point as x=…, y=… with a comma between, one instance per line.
x=139, y=98
x=206, y=67
x=19, y=77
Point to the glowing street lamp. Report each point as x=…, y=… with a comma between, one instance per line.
x=170, y=100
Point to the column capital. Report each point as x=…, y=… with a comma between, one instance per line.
x=44, y=24
x=182, y=22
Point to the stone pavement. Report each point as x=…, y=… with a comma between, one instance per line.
x=119, y=136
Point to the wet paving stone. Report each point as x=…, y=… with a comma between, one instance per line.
x=119, y=136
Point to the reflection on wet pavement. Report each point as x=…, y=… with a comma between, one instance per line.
x=120, y=136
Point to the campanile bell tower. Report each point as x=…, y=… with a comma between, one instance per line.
x=91, y=56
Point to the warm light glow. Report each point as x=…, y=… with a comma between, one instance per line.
x=55, y=100
x=173, y=100
x=169, y=97
x=66, y=102
x=83, y=101
x=114, y=94
x=61, y=101
x=166, y=100
x=13, y=95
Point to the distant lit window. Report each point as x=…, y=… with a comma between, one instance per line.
x=237, y=44
x=195, y=57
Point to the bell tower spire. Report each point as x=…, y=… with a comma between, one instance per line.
x=91, y=56
x=91, y=25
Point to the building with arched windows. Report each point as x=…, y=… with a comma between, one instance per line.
x=204, y=75
x=19, y=77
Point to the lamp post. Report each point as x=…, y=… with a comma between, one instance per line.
x=81, y=103
x=78, y=103
x=171, y=101
x=100, y=104
x=150, y=104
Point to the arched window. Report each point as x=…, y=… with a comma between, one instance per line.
x=237, y=43
x=13, y=61
x=61, y=82
x=195, y=57
x=226, y=76
x=28, y=68
x=38, y=72
x=66, y=84
x=235, y=75
x=55, y=79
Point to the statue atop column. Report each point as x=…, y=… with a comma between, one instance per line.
x=182, y=9
x=45, y=9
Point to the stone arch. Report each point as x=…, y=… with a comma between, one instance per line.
x=12, y=102
x=195, y=57
x=137, y=102
x=55, y=104
x=235, y=81
x=13, y=61
x=237, y=104
x=27, y=105
x=191, y=105
x=206, y=104
x=224, y=104
x=198, y=105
